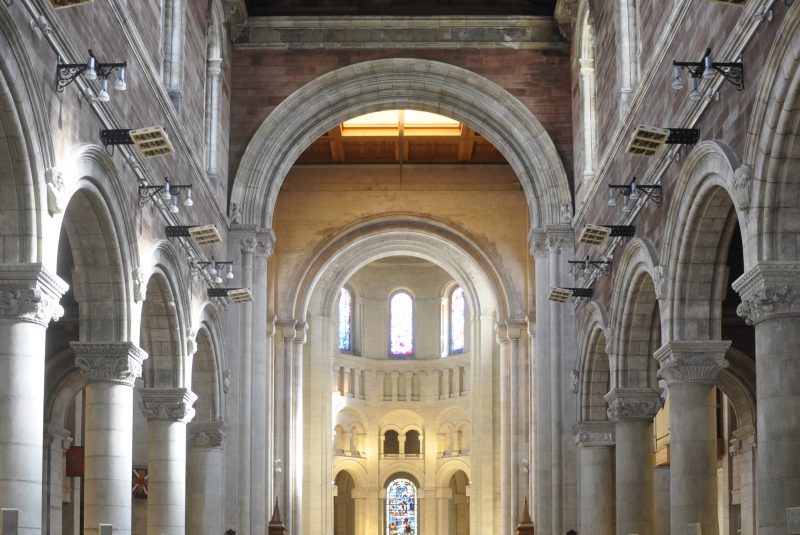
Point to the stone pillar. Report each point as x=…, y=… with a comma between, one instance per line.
x=213, y=83
x=771, y=303
x=29, y=296
x=743, y=456
x=167, y=411
x=110, y=369
x=443, y=499
x=632, y=410
x=595, y=442
x=360, y=498
x=690, y=369
x=56, y=441
x=205, y=504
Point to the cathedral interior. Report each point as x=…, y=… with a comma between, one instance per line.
x=389, y=267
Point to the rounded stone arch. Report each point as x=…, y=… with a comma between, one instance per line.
x=738, y=383
x=701, y=222
x=400, y=469
x=384, y=84
x=636, y=317
x=64, y=382
x=401, y=420
x=485, y=287
x=354, y=469
x=164, y=321
x=26, y=152
x=448, y=469
x=768, y=182
x=594, y=372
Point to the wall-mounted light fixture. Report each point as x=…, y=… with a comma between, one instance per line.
x=236, y=295
x=201, y=235
x=579, y=267
x=169, y=192
x=66, y=73
x=649, y=140
x=706, y=69
x=631, y=193
x=149, y=141
x=215, y=268
x=562, y=295
x=598, y=234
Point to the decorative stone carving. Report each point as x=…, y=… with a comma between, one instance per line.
x=226, y=381
x=206, y=434
x=660, y=281
x=248, y=245
x=109, y=362
x=742, y=181
x=632, y=404
x=56, y=190
x=191, y=341
x=266, y=240
x=692, y=361
x=235, y=215
x=566, y=212
x=30, y=293
x=173, y=404
x=139, y=277
x=769, y=290
x=574, y=379
x=536, y=240
x=594, y=434
x=555, y=243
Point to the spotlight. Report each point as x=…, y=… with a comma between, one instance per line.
x=120, y=84
x=562, y=295
x=677, y=81
x=103, y=96
x=66, y=73
x=707, y=69
x=215, y=268
x=169, y=192
x=598, y=234
x=650, y=141
x=201, y=235
x=236, y=295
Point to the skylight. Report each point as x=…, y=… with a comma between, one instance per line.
x=392, y=123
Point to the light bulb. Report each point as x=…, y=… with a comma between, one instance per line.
x=694, y=94
x=230, y=272
x=586, y=264
x=213, y=269
x=174, y=208
x=708, y=71
x=218, y=279
x=90, y=73
x=634, y=191
x=166, y=193
x=677, y=81
x=120, y=84
x=612, y=199
x=626, y=206
x=188, y=202
x=102, y=96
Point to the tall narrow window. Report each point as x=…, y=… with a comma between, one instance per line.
x=401, y=508
x=457, y=310
x=401, y=328
x=345, y=320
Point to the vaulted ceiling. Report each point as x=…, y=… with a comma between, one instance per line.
x=258, y=8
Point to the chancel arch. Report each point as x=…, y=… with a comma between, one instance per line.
x=395, y=83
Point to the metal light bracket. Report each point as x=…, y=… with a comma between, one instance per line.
x=147, y=192
x=195, y=267
x=604, y=266
x=683, y=136
x=67, y=72
x=732, y=71
x=651, y=192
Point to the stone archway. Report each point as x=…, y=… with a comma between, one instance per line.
x=390, y=83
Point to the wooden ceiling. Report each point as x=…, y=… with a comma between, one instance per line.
x=469, y=147
x=260, y=8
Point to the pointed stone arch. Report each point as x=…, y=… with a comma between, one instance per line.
x=391, y=83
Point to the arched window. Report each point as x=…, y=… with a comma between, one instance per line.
x=401, y=507
x=453, y=321
x=345, y=320
x=401, y=325
x=412, y=445
x=391, y=443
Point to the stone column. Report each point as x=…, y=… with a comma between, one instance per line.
x=56, y=441
x=110, y=369
x=360, y=498
x=205, y=505
x=632, y=410
x=771, y=303
x=595, y=442
x=29, y=296
x=213, y=83
x=690, y=369
x=167, y=411
x=443, y=499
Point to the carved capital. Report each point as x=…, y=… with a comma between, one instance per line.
x=173, y=404
x=206, y=434
x=265, y=241
x=30, y=293
x=769, y=290
x=537, y=239
x=633, y=404
x=109, y=362
x=594, y=434
x=698, y=361
x=248, y=245
x=559, y=236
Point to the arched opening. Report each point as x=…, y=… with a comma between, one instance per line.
x=459, y=504
x=344, y=507
x=391, y=443
x=401, y=507
x=413, y=445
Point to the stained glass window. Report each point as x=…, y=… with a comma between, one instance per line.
x=457, y=310
x=345, y=319
x=401, y=329
x=401, y=508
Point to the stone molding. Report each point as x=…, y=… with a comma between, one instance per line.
x=633, y=404
x=594, y=434
x=402, y=32
x=171, y=404
x=695, y=361
x=769, y=290
x=248, y=245
x=265, y=242
x=512, y=329
x=206, y=434
x=30, y=293
x=109, y=362
x=538, y=243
